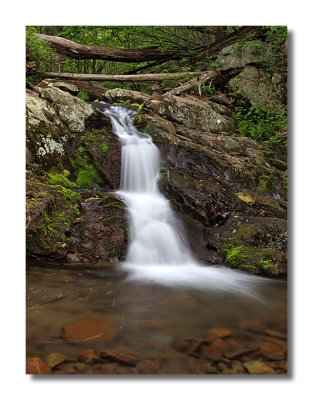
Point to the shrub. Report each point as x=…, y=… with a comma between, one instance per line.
x=259, y=122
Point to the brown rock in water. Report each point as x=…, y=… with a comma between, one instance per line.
x=258, y=367
x=211, y=369
x=147, y=367
x=109, y=369
x=275, y=334
x=126, y=359
x=237, y=365
x=240, y=351
x=215, y=350
x=36, y=366
x=272, y=351
x=54, y=359
x=187, y=345
x=89, y=356
x=214, y=333
x=89, y=330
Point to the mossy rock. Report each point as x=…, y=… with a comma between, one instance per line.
x=252, y=248
x=97, y=160
x=51, y=211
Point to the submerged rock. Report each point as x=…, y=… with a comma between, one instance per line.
x=89, y=330
x=36, y=366
x=258, y=367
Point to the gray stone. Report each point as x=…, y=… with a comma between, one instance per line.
x=73, y=111
x=241, y=54
x=124, y=95
x=259, y=87
x=193, y=113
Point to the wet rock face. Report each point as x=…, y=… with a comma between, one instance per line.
x=102, y=232
x=69, y=216
x=50, y=214
x=61, y=225
x=216, y=182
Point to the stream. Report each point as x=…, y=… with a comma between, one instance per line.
x=160, y=311
x=148, y=318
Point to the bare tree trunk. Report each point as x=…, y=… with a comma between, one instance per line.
x=122, y=78
x=81, y=51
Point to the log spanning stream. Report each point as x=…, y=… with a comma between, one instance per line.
x=158, y=250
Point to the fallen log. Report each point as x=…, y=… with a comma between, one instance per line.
x=100, y=52
x=120, y=78
x=198, y=81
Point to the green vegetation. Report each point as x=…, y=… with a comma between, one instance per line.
x=87, y=162
x=70, y=194
x=269, y=266
x=260, y=123
x=61, y=178
x=39, y=51
x=267, y=183
x=236, y=255
x=87, y=176
x=83, y=95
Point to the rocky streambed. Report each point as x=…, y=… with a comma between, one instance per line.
x=89, y=319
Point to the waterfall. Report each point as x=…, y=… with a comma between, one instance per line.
x=158, y=251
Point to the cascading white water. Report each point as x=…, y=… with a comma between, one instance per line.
x=158, y=251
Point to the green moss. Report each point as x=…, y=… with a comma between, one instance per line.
x=70, y=194
x=57, y=178
x=109, y=220
x=115, y=204
x=139, y=114
x=87, y=176
x=243, y=196
x=235, y=255
x=105, y=147
x=285, y=187
x=267, y=184
x=269, y=266
x=93, y=148
x=252, y=269
x=113, y=251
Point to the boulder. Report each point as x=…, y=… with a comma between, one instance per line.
x=259, y=87
x=122, y=95
x=193, y=113
x=73, y=111
x=46, y=135
x=239, y=55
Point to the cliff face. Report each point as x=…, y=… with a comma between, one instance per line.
x=73, y=162
x=229, y=190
